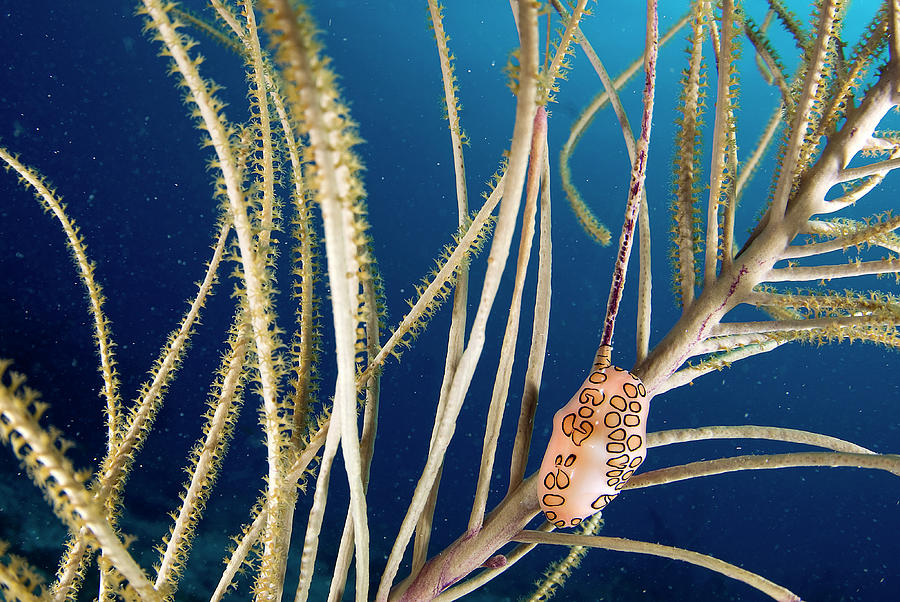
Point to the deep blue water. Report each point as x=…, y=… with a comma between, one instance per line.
x=85, y=99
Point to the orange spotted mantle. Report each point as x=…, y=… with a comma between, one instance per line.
x=598, y=441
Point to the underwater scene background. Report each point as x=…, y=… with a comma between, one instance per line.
x=86, y=100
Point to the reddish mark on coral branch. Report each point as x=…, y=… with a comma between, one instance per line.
x=495, y=562
x=639, y=170
x=447, y=576
x=704, y=327
x=735, y=283
x=731, y=289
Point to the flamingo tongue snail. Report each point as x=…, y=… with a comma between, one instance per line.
x=597, y=442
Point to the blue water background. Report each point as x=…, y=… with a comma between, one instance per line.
x=85, y=99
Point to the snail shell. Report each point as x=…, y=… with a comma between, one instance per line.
x=599, y=439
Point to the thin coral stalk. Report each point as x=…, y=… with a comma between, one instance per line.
x=771, y=433
x=861, y=268
x=886, y=462
x=723, y=119
x=539, y=333
x=367, y=439
x=638, y=174
x=654, y=549
x=86, y=268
